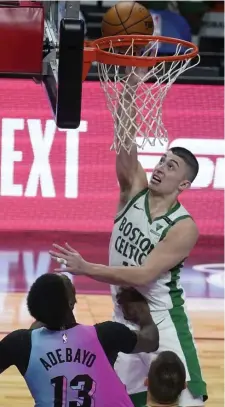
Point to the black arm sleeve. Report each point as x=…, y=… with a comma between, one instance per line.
x=114, y=338
x=15, y=350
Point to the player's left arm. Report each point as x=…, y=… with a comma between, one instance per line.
x=168, y=253
x=6, y=359
x=15, y=350
x=172, y=250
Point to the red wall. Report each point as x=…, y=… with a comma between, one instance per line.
x=58, y=180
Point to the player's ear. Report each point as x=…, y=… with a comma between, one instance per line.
x=146, y=382
x=184, y=185
x=185, y=385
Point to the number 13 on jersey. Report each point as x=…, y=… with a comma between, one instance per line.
x=83, y=386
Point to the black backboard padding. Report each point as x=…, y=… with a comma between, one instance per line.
x=70, y=73
x=66, y=93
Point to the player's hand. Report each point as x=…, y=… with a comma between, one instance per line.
x=134, y=305
x=69, y=257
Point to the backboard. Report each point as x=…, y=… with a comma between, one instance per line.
x=62, y=67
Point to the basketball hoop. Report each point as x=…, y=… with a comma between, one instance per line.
x=126, y=73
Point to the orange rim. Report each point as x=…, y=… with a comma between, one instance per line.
x=97, y=51
x=88, y=57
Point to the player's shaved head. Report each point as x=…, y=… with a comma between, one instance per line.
x=166, y=378
x=190, y=161
x=50, y=300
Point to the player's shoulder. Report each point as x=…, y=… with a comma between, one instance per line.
x=18, y=335
x=188, y=220
x=192, y=228
x=185, y=226
x=15, y=350
x=17, y=340
x=183, y=216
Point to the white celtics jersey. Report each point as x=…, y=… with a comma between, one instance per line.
x=133, y=237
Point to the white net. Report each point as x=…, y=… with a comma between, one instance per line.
x=136, y=106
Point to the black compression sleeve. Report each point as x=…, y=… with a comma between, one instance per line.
x=116, y=337
x=15, y=350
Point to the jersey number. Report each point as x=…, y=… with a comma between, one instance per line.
x=83, y=386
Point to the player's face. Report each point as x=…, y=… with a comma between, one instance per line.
x=170, y=175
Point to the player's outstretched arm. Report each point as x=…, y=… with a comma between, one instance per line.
x=168, y=253
x=131, y=176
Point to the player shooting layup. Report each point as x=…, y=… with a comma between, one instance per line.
x=152, y=235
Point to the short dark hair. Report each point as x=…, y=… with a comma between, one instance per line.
x=48, y=301
x=189, y=159
x=166, y=378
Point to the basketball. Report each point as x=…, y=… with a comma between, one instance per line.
x=127, y=17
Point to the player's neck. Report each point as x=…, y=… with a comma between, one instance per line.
x=153, y=403
x=160, y=204
x=70, y=320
